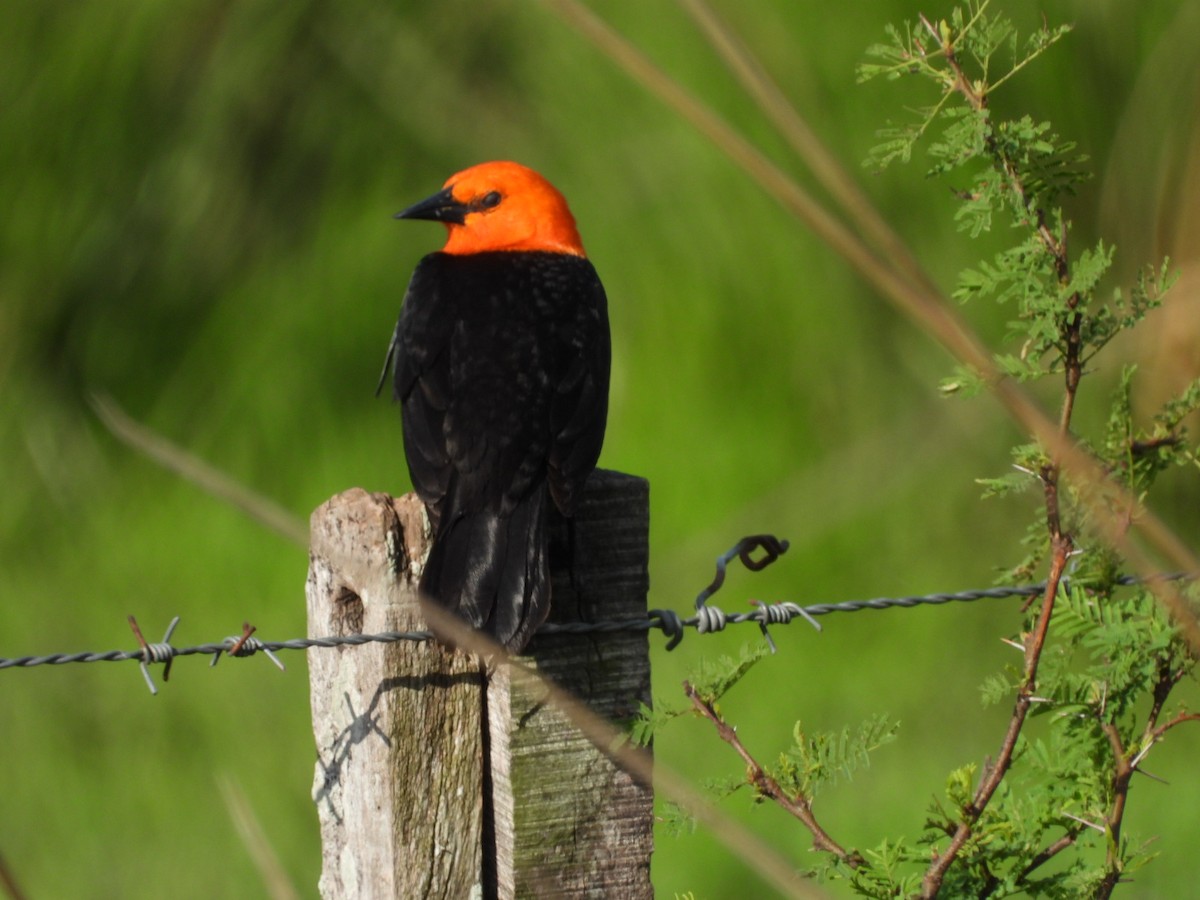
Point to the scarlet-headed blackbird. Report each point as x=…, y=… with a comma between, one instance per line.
x=502, y=363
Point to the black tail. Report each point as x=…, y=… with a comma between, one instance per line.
x=492, y=571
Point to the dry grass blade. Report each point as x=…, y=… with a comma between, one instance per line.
x=925, y=306
x=805, y=143
x=175, y=459
x=275, y=879
x=915, y=298
x=634, y=760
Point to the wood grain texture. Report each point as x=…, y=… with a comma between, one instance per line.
x=405, y=805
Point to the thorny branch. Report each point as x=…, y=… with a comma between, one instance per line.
x=766, y=786
x=1061, y=541
x=1126, y=761
x=1158, y=732
x=1123, y=772
x=1025, y=697
x=1039, y=860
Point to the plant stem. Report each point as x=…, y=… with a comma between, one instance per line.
x=1112, y=822
x=1125, y=763
x=1067, y=840
x=1061, y=541
x=766, y=786
x=932, y=882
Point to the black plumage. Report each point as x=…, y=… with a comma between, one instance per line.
x=502, y=365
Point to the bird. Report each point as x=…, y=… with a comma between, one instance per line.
x=500, y=359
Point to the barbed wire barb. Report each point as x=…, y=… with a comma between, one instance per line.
x=710, y=618
x=247, y=645
x=162, y=652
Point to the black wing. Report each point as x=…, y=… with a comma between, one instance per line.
x=580, y=408
x=502, y=370
x=419, y=350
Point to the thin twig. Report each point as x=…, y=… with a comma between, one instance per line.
x=1125, y=765
x=932, y=882
x=798, y=806
x=1178, y=720
x=1168, y=677
x=1040, y=859
x=1122, y=773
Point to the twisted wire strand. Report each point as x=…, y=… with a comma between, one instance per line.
x=707, y=620
x=161, y=652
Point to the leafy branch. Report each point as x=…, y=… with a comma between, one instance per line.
x=1026, y=168
x=1050, y=795
x=1020, y=169
x=796, y=801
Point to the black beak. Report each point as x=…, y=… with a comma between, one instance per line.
x=441, y=207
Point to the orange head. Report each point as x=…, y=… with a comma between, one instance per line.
x=500, y=206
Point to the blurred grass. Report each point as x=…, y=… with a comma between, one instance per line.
x=198, y=223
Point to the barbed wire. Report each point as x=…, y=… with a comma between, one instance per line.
x=708, y=619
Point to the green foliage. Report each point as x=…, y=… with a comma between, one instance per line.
x=1121, y=314
x=815, y=760
x=887, y=874
x=1027, y=461
x=1109, y=652
x=1017, y=169
x=1167, y=421
x=1112, y=653
x=649, y=720
x=978, y=39
x=675, y=820
x=713, y=678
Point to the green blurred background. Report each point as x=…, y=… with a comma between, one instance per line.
x=197, y=201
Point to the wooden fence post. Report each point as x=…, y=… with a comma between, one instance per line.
x=408, y=805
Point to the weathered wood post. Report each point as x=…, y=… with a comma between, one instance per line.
x=422, y=790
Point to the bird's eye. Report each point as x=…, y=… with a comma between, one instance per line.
x=490, y=200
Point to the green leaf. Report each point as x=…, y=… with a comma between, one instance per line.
x=649, y=720
x=1012, y=483
x=965, y=381
x=815, y=760
x=675, y=820
x=713, y=679
x=960, y=787
x=1087, y=270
